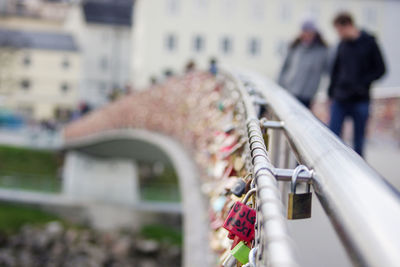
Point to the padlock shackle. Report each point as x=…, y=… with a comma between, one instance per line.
x=253, y=183
x=297, y=171
x=248, y=195
x=252, y=256
x=247, y=176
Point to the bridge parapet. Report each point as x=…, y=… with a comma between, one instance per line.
x=216, y=119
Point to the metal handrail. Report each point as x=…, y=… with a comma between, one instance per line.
x=362, y=206
x=272, y=236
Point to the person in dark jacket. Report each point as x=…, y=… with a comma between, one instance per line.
x=358, y=63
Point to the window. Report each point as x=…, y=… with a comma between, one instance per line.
x=27, y=60
x=281, y=47
x=369, y=16
x=25, y=84
x=104, y=63
x=201, y=3
x=285, y=12
x=314, y=12
x=171, y=43
x=254, y=46
x=201, y=6
x=64, y=87
x=198, y=43
x=172, y=7
x=62, y=113
x=226, y=45
x=228, y=7
x=257, y=9
x=65, y=63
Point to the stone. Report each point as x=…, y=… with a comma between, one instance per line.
x=54, y=228
x=6, y=258
x=148, y=263
x=122, y=247
x=147, y=246
x=52, y=245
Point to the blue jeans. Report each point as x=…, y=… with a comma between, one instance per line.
x=359, y=112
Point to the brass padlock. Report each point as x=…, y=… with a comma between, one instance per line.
x=299, y=205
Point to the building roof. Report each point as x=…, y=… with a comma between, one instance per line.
x=108, y=12
x=37, y=40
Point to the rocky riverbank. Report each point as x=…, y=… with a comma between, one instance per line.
x=56, y=245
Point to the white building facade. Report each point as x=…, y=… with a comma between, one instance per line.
x=251, y=34
x=103, y=33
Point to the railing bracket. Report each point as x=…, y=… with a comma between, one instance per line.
x=286, y=175
x=275, y=125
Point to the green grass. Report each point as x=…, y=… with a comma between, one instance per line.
x=163, y=234
x=159, y=187
x=157, y=192
x=29, y=169
x=13, y=217
x=168, y=176
x=22, y=160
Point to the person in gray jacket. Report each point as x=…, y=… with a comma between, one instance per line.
x=304, y=64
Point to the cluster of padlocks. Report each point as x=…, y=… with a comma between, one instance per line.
x=233, y=191
x=185, y=108
x=231, y=219
x=232, y=209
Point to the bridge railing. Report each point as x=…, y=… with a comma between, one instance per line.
x=363, y=208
